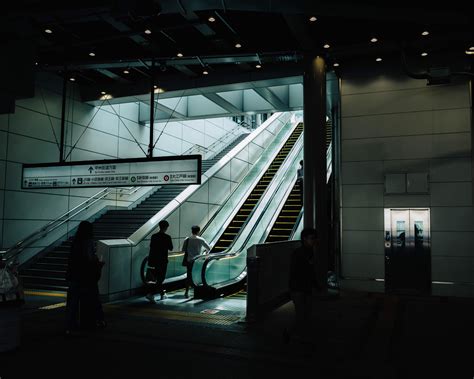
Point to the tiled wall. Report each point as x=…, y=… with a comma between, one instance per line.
x=398, y=124
x=30, y=134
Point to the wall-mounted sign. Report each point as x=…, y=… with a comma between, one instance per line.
x=183, y=169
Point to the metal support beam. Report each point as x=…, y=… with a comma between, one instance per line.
x=315, y=188
x=228, y=106
x=273, y=99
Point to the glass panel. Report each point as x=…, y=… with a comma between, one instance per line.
x=401, y=234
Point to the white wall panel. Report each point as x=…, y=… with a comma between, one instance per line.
x=212, y=130
x=219, y=190
x=359, y=85
x=169, y=143
x=4, y=121
x=16, y=230
x=37, y=206
x=362, y=219
x=129, y=149
x=36, y=125
x=363, y=266
x=452, y=269
x=94, y=140
x=363, y=195
x=457, y=244
x=362, y=172
x=387, y=125
x=106, y=122
x=84, y=155
x=3, y=145
x=3, y=167
x=194, y=136
x=450, y=170
x=129, y=110
x=413, y=201
x=45, y=102
x=363, y=242
x=451, y=121
x=174, y=129
x=452, y=219
x=451, y=145
x=30, y=150
x=128, y=128
x=451, y=194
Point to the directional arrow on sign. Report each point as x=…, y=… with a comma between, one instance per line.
x=91, y=169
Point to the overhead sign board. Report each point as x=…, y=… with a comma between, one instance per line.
x=183, y=169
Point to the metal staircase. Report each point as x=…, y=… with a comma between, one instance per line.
x=49, y=271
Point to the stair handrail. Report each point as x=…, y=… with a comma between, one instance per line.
x=42, y=232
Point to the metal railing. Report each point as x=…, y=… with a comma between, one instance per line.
x=16, y=249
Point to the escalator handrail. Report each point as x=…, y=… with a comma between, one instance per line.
x=280, y=176
x=251, y=186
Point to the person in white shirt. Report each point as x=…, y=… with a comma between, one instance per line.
x=300, y=180
x=193, y=246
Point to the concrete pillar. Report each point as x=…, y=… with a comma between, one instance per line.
x=315, y=189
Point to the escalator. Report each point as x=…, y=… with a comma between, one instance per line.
x=285, y=223
x=240, y=219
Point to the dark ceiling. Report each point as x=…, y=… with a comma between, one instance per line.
x=133, y=40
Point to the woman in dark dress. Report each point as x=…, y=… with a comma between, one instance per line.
x=83, y=274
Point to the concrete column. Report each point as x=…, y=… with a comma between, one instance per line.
x=315, y=189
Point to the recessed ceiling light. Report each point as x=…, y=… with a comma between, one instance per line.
x=312, y=19
x=158, y=90
x=205, y=72
x=238, y=45
x=470, y=52
x=36, y=63
x=326, y=46
x=258, y=66
x=336, y=64
x=471, y=48
x=92, y=54
x=179, y=55
x=147, y=31
x=424, y=54
x=49, y=31
x=211, y=19
x=379, y=59
x=374, y=40
x=425, y=33
x=72, y=79
x=126, y=72
x=103, y=93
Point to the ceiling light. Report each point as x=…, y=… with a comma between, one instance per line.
x=211, y=19
x=72, y=79
x=238, y=45
x=312, y=19
x=471, y=48
x=336, y=64
x=470, y=52
x=258, y=66
x=379, y=59
x=36, y=63
x=126, y=72
x=179, y=55
x=205, y=72
x=424, y=54
x=49, y=31
x=158, y=90
x=425, y=33
x=106, y=96
x=374, y=40
x=326, y=46
x=92, y=54
x=147, y=31
x=103, y=93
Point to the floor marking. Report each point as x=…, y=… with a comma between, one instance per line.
x=54, y=306
x=51, y=294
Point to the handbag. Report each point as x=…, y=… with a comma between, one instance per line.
x=150, y=276
x=185, y=256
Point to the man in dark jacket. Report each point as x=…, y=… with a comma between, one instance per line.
x=302, y=281
x=160, y=244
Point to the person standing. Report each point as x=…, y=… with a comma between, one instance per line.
x=193, y=246
x=300, y=181
x=160, y=244
x=83, y=274
x=302, y=281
